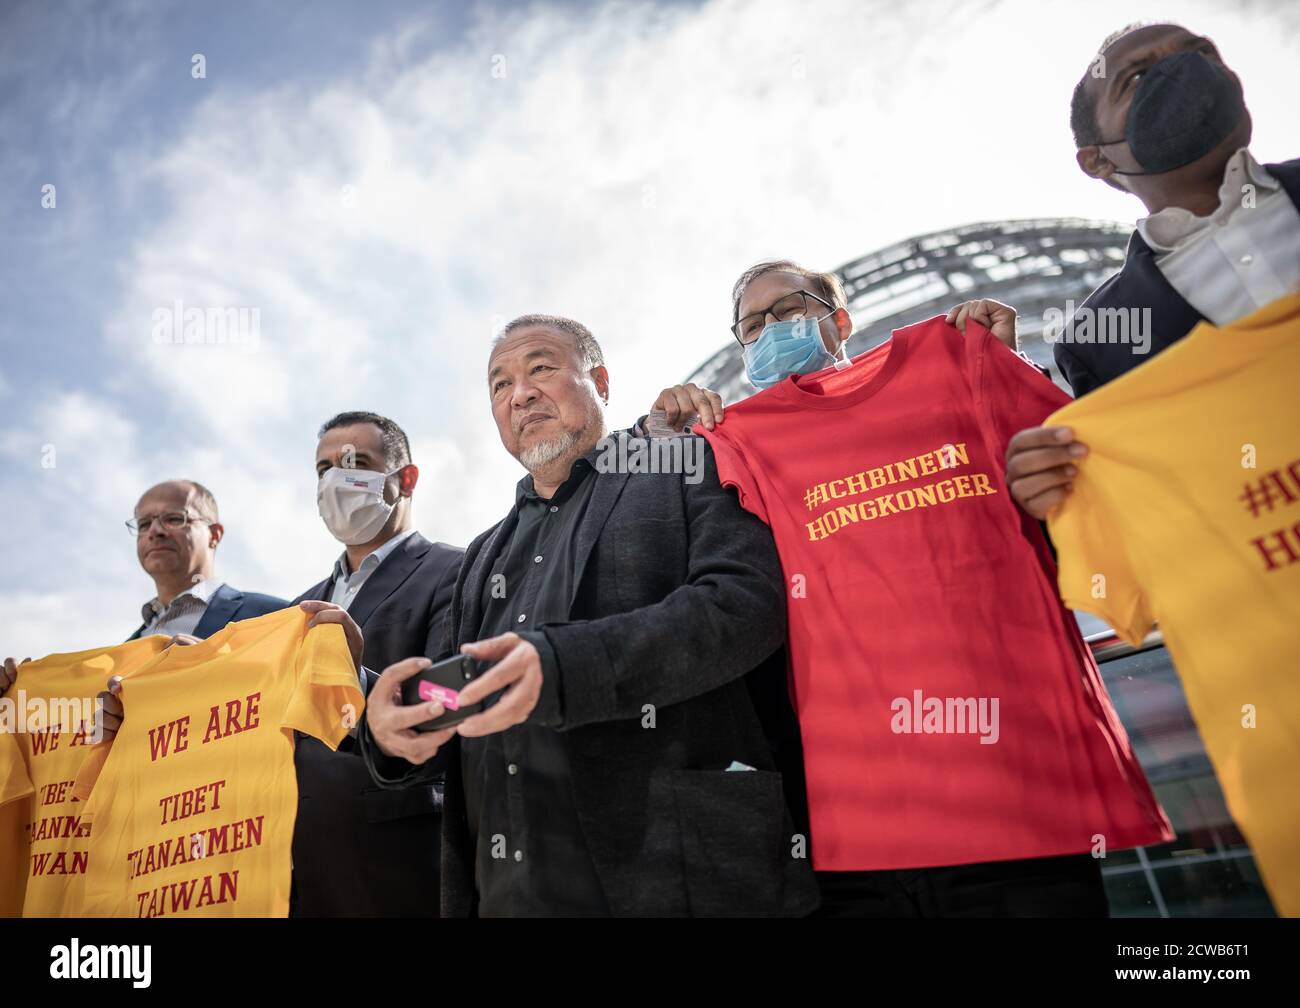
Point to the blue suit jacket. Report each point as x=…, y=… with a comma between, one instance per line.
x=1140, y=284
x=228, y=605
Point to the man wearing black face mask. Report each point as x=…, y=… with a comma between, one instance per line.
x=1159, y=115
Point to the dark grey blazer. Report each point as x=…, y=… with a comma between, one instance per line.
x=359, y=851
x=680, y=595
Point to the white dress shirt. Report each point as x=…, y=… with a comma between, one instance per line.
x=348, y=586
x=183, y=613
x=1239, y=258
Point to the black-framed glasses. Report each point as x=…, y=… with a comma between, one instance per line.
x=171, y=520
x=799, y=304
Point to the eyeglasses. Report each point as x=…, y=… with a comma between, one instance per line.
x=172, y=520
x=800, y=304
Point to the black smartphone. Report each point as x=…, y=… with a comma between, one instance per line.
x=443, y=681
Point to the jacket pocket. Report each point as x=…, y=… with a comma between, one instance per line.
x=400, y=618
x=732, y=824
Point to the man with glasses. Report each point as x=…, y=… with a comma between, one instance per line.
x=177, y=529
x=796, y=294
x=783, y=292
x=961, y=755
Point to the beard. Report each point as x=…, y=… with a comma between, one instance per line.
x=543, y=453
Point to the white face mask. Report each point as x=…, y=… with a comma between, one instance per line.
x=351, y=502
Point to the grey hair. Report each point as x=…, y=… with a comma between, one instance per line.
x=828, y=285
x=585, y=345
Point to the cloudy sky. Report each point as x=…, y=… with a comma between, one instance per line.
x=387, y=182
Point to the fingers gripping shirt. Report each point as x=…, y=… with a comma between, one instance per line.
x=1186, y=511
x=194, y=806
x=48, y=728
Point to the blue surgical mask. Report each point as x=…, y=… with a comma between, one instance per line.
x=784, y=349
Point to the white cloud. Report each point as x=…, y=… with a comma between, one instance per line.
x=71, y=556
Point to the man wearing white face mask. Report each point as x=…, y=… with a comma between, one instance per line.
x=359, y=850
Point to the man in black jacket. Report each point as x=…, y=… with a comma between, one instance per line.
x=359, y=850
x=623, y=769
x=1161, y=116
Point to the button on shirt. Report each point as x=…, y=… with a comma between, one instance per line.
x=182, y=614
x=1238, y=259
x=348, y=586
x=531, y=857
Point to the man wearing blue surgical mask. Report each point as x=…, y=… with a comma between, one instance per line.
x=800, y=332
x=1158, y=114
x=789, y=320
x=817, y=412
x=359, y=850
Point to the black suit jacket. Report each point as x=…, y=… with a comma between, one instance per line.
x=1140, y=284
x=229, y=605
x=358, y=850
x=679, y=596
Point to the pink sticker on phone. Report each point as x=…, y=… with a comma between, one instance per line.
x=446, y=696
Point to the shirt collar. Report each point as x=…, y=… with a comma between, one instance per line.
x=525, y=490
x=373, y=559
x=203, y=590
x=1165, y=230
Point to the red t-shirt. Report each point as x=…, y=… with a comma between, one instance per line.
x=951, y=711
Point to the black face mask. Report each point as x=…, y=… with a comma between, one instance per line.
x=1184, y=107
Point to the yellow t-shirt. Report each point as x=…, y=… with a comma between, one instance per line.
x=193, y=808
x=47, y=729
x=1186, y=512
